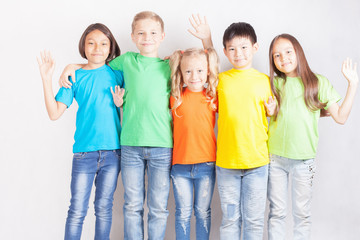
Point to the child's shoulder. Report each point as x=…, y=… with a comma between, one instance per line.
x=321, y=77
x=260, y=74
x=243, y=73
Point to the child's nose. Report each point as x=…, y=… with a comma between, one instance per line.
x=194, y=75
x=146, y=36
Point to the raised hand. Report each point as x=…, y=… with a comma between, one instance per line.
x=350, y=72
x=201, y=27
x=46, y=65
x=270, y=106
x=118, y=95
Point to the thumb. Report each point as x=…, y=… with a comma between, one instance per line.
x=192, y=32
x=266, y=104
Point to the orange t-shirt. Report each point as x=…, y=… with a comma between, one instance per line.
x=194, y=122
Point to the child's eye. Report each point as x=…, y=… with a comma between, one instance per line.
x=200, y=71
x=244, y=47
x=231, y=49
x=154, y=33
x=104, y=44
x=276, y=55
x=188, y=72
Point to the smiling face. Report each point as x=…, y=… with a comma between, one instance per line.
x=194, y=70
x=240, y=52
x=97, y=49
x=147, y=35
x=284, y=56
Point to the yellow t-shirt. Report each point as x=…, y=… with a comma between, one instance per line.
x=242, y=124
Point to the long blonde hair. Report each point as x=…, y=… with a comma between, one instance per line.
x=177, y=81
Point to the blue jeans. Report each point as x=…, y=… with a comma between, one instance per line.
x=134, y=162
x=302, y=174
x=243, y=200
x=193, y=185
x=104, y=166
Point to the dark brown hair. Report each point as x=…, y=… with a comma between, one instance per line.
x=308, y=78
x=114, y=47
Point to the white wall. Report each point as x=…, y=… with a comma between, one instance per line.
x=36, y=153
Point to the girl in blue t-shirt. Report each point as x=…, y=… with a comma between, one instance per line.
x=293, y=131
x=97, y=136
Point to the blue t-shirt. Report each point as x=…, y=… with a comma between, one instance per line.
x=97, y=119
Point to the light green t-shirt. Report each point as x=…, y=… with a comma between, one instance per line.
x=295, y=132
x=146, y=116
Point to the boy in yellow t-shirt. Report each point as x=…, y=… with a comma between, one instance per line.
x=242, y=153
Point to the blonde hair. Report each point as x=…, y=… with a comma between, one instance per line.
x=177, y=81
x=147, y=15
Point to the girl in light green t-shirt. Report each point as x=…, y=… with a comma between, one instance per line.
x=293, y=130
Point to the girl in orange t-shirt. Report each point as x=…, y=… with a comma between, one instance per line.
x=193, y=109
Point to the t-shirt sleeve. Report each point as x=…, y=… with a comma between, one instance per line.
x=66, y=95
x=327, y=93
x=118, y=62
x=119, y=78
x=270, y=93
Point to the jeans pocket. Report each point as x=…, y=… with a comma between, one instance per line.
x=79, y=155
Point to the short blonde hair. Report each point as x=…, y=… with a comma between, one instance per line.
x=147, y=15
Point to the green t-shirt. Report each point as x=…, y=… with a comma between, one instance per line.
x=295, y=132
x=146, y=115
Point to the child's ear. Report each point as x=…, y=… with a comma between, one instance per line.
x=225, y=52
x=256, y=47
x=162, y=36
x=133, y=37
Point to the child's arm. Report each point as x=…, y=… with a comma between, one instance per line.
x=47, y=65
x=341, y=113
x=118, y=95
x=270, y=106
x=202, y=30
x=69, y=70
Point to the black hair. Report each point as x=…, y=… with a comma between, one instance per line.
x=239, y=29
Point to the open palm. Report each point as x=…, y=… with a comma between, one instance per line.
x=46, y=65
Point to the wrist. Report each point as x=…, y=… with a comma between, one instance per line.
x=353, y=84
